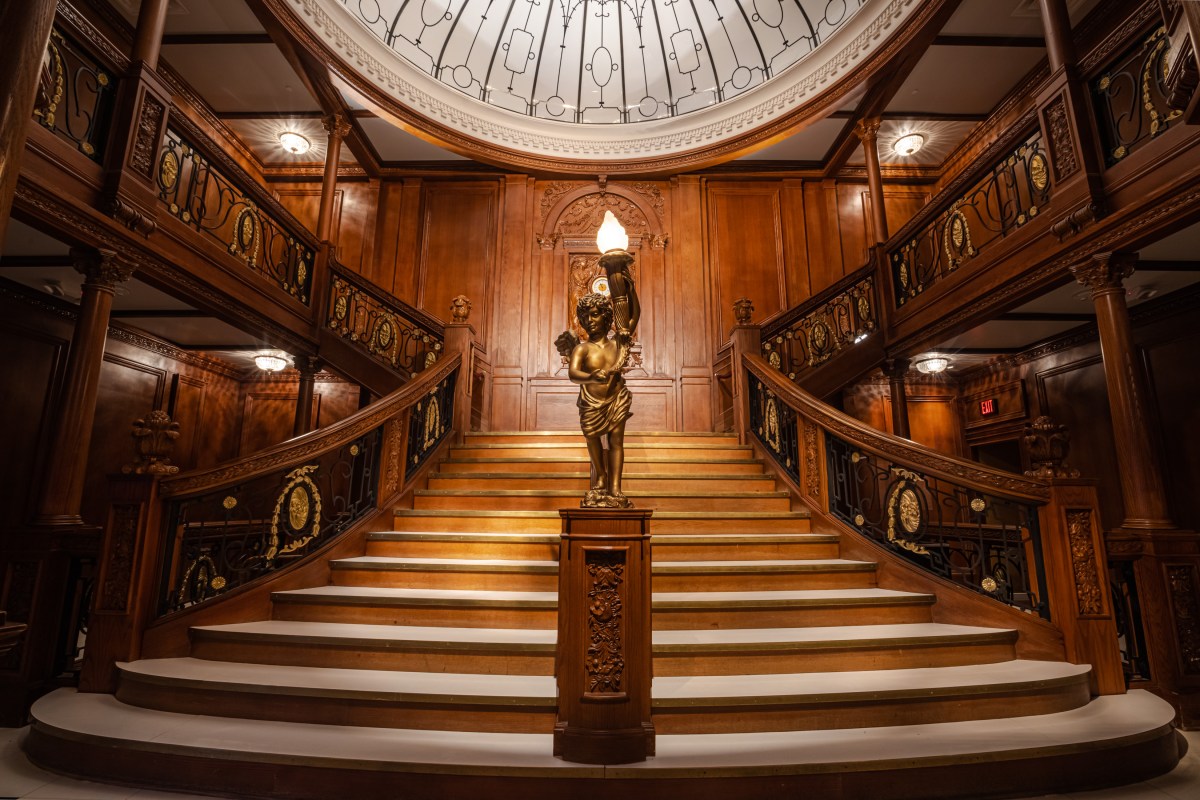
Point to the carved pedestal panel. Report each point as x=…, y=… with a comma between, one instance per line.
x=603, y=665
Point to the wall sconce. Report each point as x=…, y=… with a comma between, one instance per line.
x=294, y=143
x=270, y=362
x=932, y=364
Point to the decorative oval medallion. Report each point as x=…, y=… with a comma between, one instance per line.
x=384, y=334
x=774, y=359
x=978, y=504
x=864, y=309
x=1039, y=173
x=302, y=500
x=433, y=423
x=818, y=338
x=168, y=171
x=430, y=359
x=298, y=508
x=910, y=510
x=958, y=232
x=340, y=307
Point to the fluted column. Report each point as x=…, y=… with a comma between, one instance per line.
x=867, y=131
x=147, y=40
x=62, y=487
x=1142, y=485
x=307, y=366
x=337, y=127
x=896, y=369
x=24, y=31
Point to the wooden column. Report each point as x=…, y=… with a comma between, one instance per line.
x=1142, y=485
x=307, y=366
x=867, y=131
x=896, y=369
x=24, y=33
x=603, y=665
x=62, y=487
x=746, y=339
x=147, y=40
x=1056, y=22
x=337, y=127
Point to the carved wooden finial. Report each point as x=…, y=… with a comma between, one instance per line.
x=154, y=438
x=743, y=309
x=1048, y=444
x=460, y=308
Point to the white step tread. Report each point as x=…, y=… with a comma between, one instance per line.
x=667, y=691
x=1106, y=721
x=386, y=593
x=732, y=638
x=777, y=565
x=509, y=536
x=401, y=513
x=443, y=563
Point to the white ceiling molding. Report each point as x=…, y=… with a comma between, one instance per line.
x=841, y=48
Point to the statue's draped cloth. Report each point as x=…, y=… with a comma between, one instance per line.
x=599, y=415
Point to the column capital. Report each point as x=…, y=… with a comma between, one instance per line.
x=100, y=268
x=336, y=125
x=867, y=129
x=307, y=365
x=896, y=368
x=1105, y=271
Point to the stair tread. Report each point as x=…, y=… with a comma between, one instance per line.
x=774, y=565
x=1108, y=719
x=658, y=515
x=507, y=536
x=575, y=493
x=582, y=444
x=629, y=459
x=627, y=476
x=667, y=691
x=628, y=435
x=443, y=563
x=383, y=595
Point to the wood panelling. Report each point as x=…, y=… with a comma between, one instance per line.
x=268, y=409
x=37, y=357
x=1176, y=385
x=745, y=237
x=933, y=421
x=458, y=247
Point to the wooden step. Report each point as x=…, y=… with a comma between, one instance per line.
x=578, y=449
x=828, y=649
x=664, y=523
x=1113, y=740
x=575, y=437
x=482, y=574
x=453, y=544
x=708, y=546
x=494, y=651
x=332, y=696
x=552, y=500
x=761, y=575
x=417, y=607
x=578, y=482
x=864, y=699
x=543, y=465
x=674, y=611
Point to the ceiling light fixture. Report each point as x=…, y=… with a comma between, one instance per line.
x=294, y=143
x=932, y=364
x=270, y=362
x=908, y=144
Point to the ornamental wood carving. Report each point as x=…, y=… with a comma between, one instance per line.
x=1083, y=563
x=1048, y=445
x=1062, y=143
x=154, y=438
x=605, y=648
x=118, y=566
x=582, y=218
x=1185, y=605
x=145, y=144
x=812, y=469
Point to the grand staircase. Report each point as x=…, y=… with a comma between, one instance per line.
x=425, y=667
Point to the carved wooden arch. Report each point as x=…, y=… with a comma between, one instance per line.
x=576, y=213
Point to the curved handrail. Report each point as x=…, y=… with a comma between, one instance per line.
x=295, y=451
x=785, y=319
x=895, y=448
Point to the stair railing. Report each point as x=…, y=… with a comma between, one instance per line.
x=177, y=543
x=1031, y=543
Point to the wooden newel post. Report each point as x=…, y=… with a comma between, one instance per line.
x=460, y=338
x=603, y=665
x=746, y=339
x=1074, y=555
x=127, y=575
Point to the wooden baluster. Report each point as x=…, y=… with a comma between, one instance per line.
x=746, y=338
x=896, y=369
x=308, y=367
x=24, y=34
x=127, y=580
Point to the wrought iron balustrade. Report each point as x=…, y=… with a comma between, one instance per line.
x=1130, y=97
x=196, y=192
x=430, y=422
x=774, y=423
x=75, y=96
x=222, y=539
x=1011, y=194
x=381, y=325
x=817, y=336
x=980, y=540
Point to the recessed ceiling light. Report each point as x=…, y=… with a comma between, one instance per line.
x=932, y=364
x=294, y=143
x=908, y=144
x=270, y=362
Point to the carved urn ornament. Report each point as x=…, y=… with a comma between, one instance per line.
x=154, y=438
x=1048, y=444
x=460, y=308
x=597, y=362
x=743, y=309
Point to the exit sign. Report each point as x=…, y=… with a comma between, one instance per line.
x=987, y=407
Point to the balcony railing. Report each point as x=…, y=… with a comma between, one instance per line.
x=195, y=191
x=1014, y=191
x=1131, y=97
x=75, y=96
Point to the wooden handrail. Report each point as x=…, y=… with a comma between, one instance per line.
x=294, y=451
x=901, y=451
x=784, y=320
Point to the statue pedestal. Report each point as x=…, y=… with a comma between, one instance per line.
x=603, y=664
